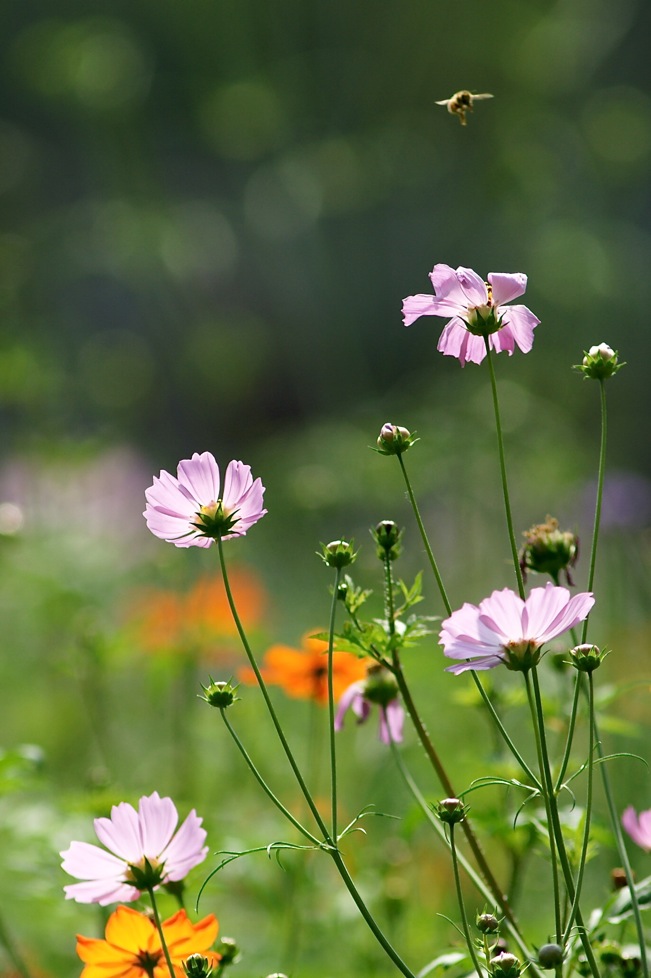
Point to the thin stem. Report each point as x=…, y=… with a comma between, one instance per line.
x=159, y=928
x=265, y=787
x=505, y=486
x=599, y=500
x=425, y=539
x=556, y=825
x=570, y=733
x=548, y=790
x=270, y=707
x=623, y=854
x=503, y=731
x=462, y=908
x=331, y=707
x=588, y=811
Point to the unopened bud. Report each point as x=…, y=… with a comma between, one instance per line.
x=600, y=362
x=550, y=955
x=219, y=694
x=337, y=553
x=487, y=923
x=394, y=440
x=228, y=951
x=196, y=966
x=451, y=810
x=505, y=965
x=587, y=658
x=548, y=550
x=387, y=536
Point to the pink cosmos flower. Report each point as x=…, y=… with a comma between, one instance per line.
x=379, y=688
x=143, y=852
x=478, y=309
x=192, y=510
x=638, y=827
x=506, y=629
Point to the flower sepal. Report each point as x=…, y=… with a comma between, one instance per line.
x=394, y=439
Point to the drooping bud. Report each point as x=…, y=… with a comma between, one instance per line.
x=600, y=363
x=487, y=923
x=338, y=553
x=219, y=694
x=228, y=951
x=387, y=536
x=394, y=440
x=550, y=956
x=451, y=810
x=587, y=658
x=505, y=965
x=548, y=550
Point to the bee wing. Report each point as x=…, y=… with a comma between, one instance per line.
x=484, y=95
x=444, y=101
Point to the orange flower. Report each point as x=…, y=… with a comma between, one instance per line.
x=132, y=948
x=303, y=673
x=171, y=622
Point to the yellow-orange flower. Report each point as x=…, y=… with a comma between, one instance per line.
x=166, y=621
x=303, y=673
x=132, y=948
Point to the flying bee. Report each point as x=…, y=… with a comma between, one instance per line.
x=461, y=102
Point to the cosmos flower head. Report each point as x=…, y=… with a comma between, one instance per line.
x=193, y=508
x=477, y=311
x=638, y=827
x=131, y=947
x=303, y=673
x=142, y=852
x=504, y=629
x=378, y=689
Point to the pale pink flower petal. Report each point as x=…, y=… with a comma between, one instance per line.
x=140, y=841
x=392, y=718
x=504, y=628
x=638, y=827
x=462, y=296
x=188, y=511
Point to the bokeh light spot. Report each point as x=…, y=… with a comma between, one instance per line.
x=244, y=120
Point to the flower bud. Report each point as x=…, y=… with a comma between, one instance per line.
x=505, y=965
x=387, y=536
x=338, y=553
x=618, y=878
x=610, y=953
x=228, y=951
x=394, y=440
x=451, y=811
x=550, y=956
x=548, y=550
x=600, y=363
x=380, y=687
x=487, y=923
x=196, y=966
x=587, y=658
x=219, y=694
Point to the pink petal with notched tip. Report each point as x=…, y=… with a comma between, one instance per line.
x=101, y=892
x=200, y=475
x=157, y=819
x=186, y=849
x=507, y=286
x=89, y=862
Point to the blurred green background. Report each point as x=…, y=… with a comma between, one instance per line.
x=211, y=212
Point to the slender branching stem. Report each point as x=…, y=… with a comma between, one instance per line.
x=462, y=909
x=331, y=707
x=570, y=733
x=600, y=492
x=505, y=485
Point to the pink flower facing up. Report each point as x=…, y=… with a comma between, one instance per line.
x=638, y=827
x=143, y=852
x=506, y=629
x=478, y=309
x=192, y=510
x=378, y=688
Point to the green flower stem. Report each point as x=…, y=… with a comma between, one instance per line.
x=488, y=896
x=543, y=764
x=554, y=826
x=265, y=787
x=570, y=733
x=588, y=812
x=505, y=486
x=621, y=849
x=12, y=952
x=330, y=846
x=462, y=910
x=331, y=707
x=599, y=500
x=448, y=607
x=426, y=543
x=270, y=707
x=159, y=928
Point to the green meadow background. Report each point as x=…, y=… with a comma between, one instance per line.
x=211, y=212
